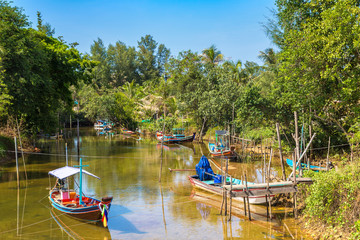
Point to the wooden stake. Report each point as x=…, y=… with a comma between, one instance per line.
x=17, y=164
x=248, y=202
x=230, y=197
x=297, y=141
x=280, y=152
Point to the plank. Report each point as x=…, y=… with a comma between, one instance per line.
x=263, y=192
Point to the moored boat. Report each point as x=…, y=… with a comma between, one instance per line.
x=221, y=147
x=206, y=180
x=178, y=136
x=305, y=166
x=76, y=205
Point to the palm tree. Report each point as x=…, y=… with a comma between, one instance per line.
x=268, y=56
x=212, y=55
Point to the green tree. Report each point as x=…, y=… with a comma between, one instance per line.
x=212, y=55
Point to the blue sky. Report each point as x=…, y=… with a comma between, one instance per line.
x=234, y=26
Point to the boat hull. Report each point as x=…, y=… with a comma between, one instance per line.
x=219, y=191
x=169, y=139
x=219, y=153
x=90, y=212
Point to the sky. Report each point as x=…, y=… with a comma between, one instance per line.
x=233, y=26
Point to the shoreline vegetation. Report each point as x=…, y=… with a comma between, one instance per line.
x=46, y=85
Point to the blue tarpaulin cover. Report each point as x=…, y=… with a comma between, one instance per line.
x=202, y=167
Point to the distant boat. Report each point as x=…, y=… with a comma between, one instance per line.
x=221, y=147
x=178, y=136
x=208, y=181
x=129, y=132
x=305, y=166
x=76, y=205
x=103, y=125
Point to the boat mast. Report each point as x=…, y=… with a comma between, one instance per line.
x=81, y=166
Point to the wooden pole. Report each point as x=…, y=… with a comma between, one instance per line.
x=297, y=141
x=248, y=202
x=22, y=152
x=303, y=154
x=230, y=197
x=294, y=180
x=162, y=148
x=280, y=152
x=327, y=158
x=226, y=171
x=17, y=164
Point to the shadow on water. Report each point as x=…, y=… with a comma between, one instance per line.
x=120, y=224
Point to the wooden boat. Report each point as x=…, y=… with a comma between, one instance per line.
x=221, y=147
x=208, y=181
x=129, y=132
x=305, y=166
x=216, y=188
x=103, y=125
x=178, y=136
x=76, y=205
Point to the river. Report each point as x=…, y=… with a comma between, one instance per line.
x=143, y=207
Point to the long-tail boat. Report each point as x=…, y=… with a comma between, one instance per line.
x=208, y=181
x=76, y=205
x=221, y=147
x=178, y=136
x=305, y=166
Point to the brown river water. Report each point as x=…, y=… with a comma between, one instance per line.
x=142, y=207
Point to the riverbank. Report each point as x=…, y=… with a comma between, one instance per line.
x=329, y=208
x=6, y=144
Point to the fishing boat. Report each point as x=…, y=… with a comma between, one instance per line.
x=207, y=180
x=129, y=132
x=76, y=205
x=221, y=147
x=305, y=166
x=103, y=125
x=178, y=136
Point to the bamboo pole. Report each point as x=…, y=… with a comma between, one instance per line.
x=17, y=163
x=22, y=152
x=297, y=141
x=226, y=171
x=230, y=197
x=248, y=202
x=303, y=154
x=280, y=152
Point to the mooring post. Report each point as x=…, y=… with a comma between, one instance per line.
x=226, y=193
x=17, y=164
x=280, y=151
x=230, y=197
x=248, y=202
x=294, y=179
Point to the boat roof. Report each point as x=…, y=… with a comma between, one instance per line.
x=178, y=129
x=221, y=132
x=67, y=171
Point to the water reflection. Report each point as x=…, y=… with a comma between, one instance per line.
x=142, y=207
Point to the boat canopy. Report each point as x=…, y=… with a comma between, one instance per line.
x=221, y=132
x=67, y=171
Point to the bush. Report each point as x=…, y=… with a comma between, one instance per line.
x=333, y=200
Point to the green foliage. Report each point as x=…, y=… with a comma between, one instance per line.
x=333, y=198
x=39, y=70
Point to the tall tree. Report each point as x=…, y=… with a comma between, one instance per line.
x=212, y=55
